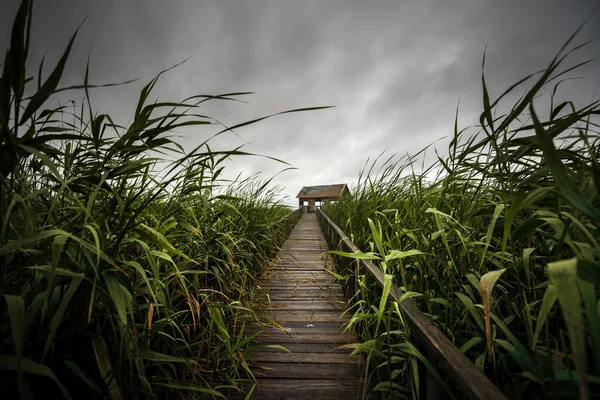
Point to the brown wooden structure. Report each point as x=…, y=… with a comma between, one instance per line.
x=302, y=298
x=312, y=197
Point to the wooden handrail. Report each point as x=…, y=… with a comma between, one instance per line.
x=473, y=383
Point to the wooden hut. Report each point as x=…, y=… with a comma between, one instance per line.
x=311, y=197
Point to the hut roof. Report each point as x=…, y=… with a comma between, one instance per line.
x=323, y=191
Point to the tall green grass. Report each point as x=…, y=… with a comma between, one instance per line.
x=126, y=263
x=497, y=241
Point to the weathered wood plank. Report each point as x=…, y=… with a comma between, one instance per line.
x=301, y=278
x=308, y=326
x=306, y=329
x=291, y=286
x=298, y=348
x=319, y=294
x=298, y=277
x=303, y=297
x=295, y=304
x=303, y=370
x=293, y=266
x=309, y=288
x=311, y=358
x=307, y=389
x=300, y=284
x=312, y=337
x=304, y=291
x=296, y=270
x=305, y=316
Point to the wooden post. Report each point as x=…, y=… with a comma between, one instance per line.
x=428, y=386
x=432, y=386
x=356, y=279
x=357, y=262
x=337, y=247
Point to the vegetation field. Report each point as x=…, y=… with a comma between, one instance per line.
x=497, y=241
x=126, y=264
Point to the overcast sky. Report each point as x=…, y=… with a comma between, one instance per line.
x=394, y=70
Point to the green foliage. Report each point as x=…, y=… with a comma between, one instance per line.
x=126, y=264
x=497, y=231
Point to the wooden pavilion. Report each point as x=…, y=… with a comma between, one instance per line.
x=312, y=197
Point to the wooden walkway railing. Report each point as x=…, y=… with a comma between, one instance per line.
x=302, y=298
x=472, y=382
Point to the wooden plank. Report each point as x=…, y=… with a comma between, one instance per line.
x=312, y=337
x=277, y=297
x=297, y=280
x=306, y=260
x=313, y=287
x=298, y=348
x=300, y=268
x=290, y=285
x=313, y=245
x=332, y=291
x=303, y=265
x=301, y=284
x=307, y=389
x=312, y=358
x=302, y=297
x=306, y=287
x=338, y=302
x=308, y=257
x=294, y=292
x=305, y=316
x=294, y=304
x=314, y=264
x=305, y=269
x=303, y=370
x=314, y=384
x=309, y=325
x=297, y=276
x=300, y=280
x=320, y=267
x=294, y=328
x=294, y=289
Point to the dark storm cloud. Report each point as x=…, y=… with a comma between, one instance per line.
x=395, y=70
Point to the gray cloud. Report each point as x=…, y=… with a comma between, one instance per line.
x=395, y=70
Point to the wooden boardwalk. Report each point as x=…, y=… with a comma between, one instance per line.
x=302, y=297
